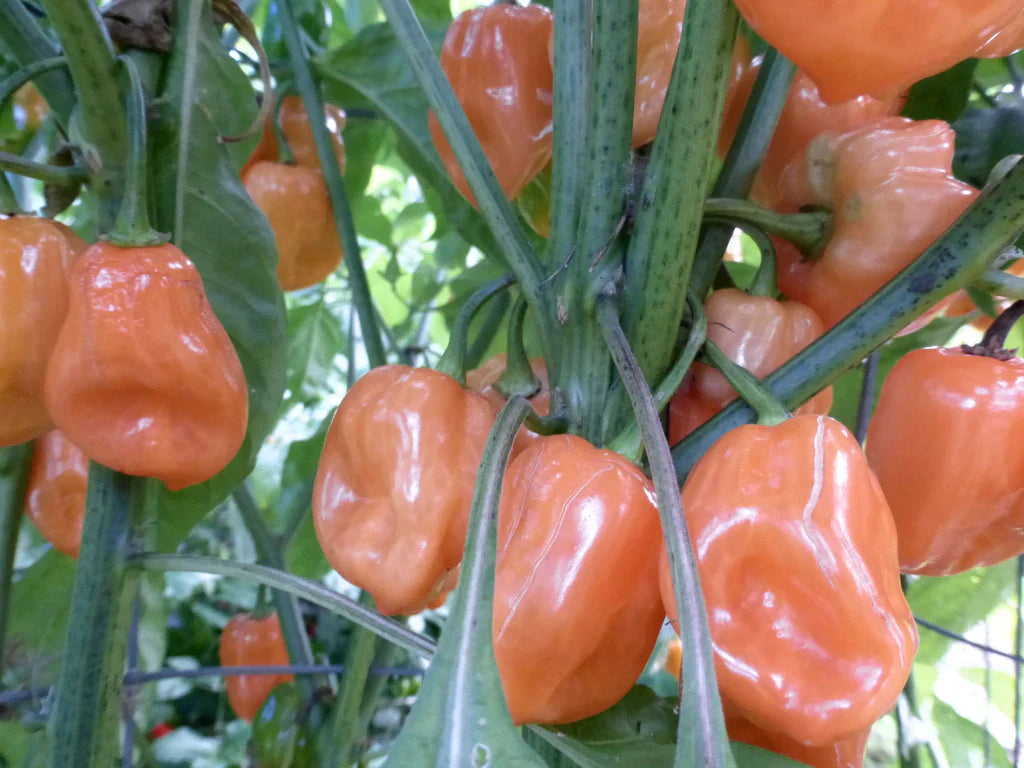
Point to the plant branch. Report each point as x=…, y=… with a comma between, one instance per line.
x=27, y=43
x=60, y=175
x=14, y=466
x=810, y=232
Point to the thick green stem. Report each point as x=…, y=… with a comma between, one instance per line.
x=584, y=373
x=270, y=553
x=958, y=258
x=61, y=175
x=314, y=592
x=102, y=120
x=670, y=209
x=310, y=92
x=14, y=465
x=87, y=705
x=701, y=735
x=27, y=43
x=810, y=232
x=453, y=361
x=345, y=731
x=769, y=410
x=518, y=377
x=742, y=163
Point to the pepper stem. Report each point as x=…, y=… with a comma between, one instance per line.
x=132, y=227
x=766, y=279
x=769, y=410
x=518, y=377
x=24, y=75
x=453, y=361
x=809, y=231
x=993, y=343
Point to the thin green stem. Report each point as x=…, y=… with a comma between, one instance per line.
x=701, y=735
x=312, y=591
x=955, y=260
x=453, y=361
x=344, y=731
x=743, y=162
x=518, y=377
x=766, y=279
x=60, y=175
x=769, y=410
x=14, y=466
x=810, y=232
x=27, y=73
x=87, y=704
x=307, y=86
x=132, y=228
x=26, y=42
x=496, y=210
x=1001, y=283
x=486, y=329
x=91, y=59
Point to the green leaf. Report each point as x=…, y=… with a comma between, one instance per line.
x=304, y=557
x=40, y=602
x=363, y=142
x=754, y=757
x=942, y=96
x=964, y=741
x=957, y=603
x=201, y=201
x=315, y=338
x=983, y=138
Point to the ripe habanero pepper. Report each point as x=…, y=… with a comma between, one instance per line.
x=252, y=640
x=660, y=26
x=756, y=332
x=395, y=482
x=144, y=378
x=796, y=549
x=892, y=193
x=945, y=444
x=1007, y=40
x=35, y=257
x=496, y=60
x=294, y=198
x=55, y=497
x=576, y=604
x=30, y=108
x=875, y=47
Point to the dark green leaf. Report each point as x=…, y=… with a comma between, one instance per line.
x=304, y=556
x=983, y=138
x=315, y=339
x=942, y=96
x=40, y=600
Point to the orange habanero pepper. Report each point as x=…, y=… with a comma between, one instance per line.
x=875, y=47
x=576, y=604
x=956, y=503
x=796, y=549
x=35, y=258
x=496, y=58
x=55, y=497
x=252, y=640
x=892, y=193
x=395, y=483
x=1007, y=40
x=660, y=28
x=144, y=378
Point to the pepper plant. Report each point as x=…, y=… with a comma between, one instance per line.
x=601, y=267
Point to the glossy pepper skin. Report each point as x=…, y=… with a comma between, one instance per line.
x=294, y=121
x=576, y=605
x=660, y=28
x=252, y=640
x=35, y=258
x=945, y=444
x=892, y=192
x=845, y=753
x=1007, y=40
x=756, y=332
x=55, y=497
x=496, y=59
x=804, y=116
x=875, y=47
x=395, y=482
x=144, y=378
x=796, y=549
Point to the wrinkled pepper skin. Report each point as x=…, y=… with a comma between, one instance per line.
x=957, y=504
x=796, y=549
x=660, y=26
x=55, y=497
x=756, y=332
x=395, y=482
x=144, y=378
x=251, y=640
x=35, y=258
x=496, y=59
x=295, y=201
x=804, y=116
x=892, y=192
x=576, y=604
x=876, y=47
x=484, y=378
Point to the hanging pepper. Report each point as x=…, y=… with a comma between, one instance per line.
x=890, y=187
x=252, y=640
x=576, y=604
x=294, y=197
x=143, y=378
x=876, y=47
x=496, y=59
x=55, y=497
x=796, y=549
x=395, y=482
x=945, y=444
x=35, y=258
